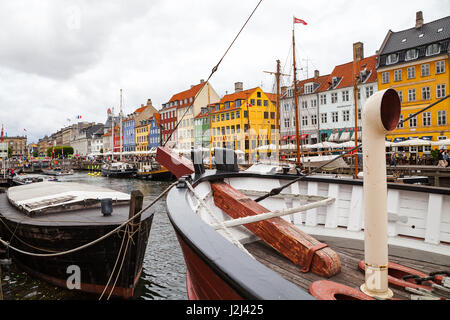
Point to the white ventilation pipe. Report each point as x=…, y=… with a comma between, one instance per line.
x=381, y=114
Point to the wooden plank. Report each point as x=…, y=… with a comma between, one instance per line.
x=281, y=235
x=433, y=219
x=311, y=214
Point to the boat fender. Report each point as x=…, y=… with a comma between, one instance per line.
x=330, y=290
x=401, y=276
x=107, y=208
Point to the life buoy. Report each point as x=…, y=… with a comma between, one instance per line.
x=330, y=290
x=396, y=272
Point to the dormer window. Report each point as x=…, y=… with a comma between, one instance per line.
x=392, y=58
x=440, y=30
x=411, y=54
x=309, y=88
x=433, y=49
x=404, y=40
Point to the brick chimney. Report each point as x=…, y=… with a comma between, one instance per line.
x=419, y=19
x=358, y=51
x=238, y=86
x=316, y=74
x=149, y=102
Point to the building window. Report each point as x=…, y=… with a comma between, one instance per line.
x=314, y=119
x=433, y=49
x=252, y=102
x=334, y=97
x=369, y=91
x=266, y=103
x=411, y=54
x=245, y=114
x=314, y=103
x=323, y=99
x=441, y=117
x=411, y=94
x=385, y=77
x=323, y=117
x=304, y=104
x=258, y=94
x=334, y=116
x=440, y=66
x=400, y=95
x=272, y=115
x=258, y=102
x=238, y=114
x=222, y=117
x=359, y=113
x=345, y=115
x=425, y=70
x=359, y=93
x=304, y=121
x=412, y=121
x=286, y=122
x=411, y=72
x=266, y=115
x=392, y=58
x=425, y=93
x=345, y=96
x=227, y=116
x=440, y=91
x=309, y=88
x=426, y=119
x=286, y=107
x=227, y=105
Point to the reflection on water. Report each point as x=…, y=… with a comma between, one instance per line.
x=163, y=272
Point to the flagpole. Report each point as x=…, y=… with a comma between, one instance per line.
x=295, y=96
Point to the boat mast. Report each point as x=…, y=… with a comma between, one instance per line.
x=295, y=100
x=355, y=98
x=120, y=132
x=112, y=134
x=277, y=114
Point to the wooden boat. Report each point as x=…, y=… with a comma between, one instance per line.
x=57, y=172
x=258, y=261
x=19, y=180
x=52, y=217
x=152, y=170
x=118, y=170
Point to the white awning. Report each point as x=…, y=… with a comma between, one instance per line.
x=345, y=136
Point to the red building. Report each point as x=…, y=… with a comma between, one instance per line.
x=168, y=121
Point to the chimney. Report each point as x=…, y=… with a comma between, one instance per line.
x=238, y=86
x=149, y=102
x=358, y=51
x=316, y=74
x=419, y=19
x=142, y=105
x=202, y=80
x=283, y=89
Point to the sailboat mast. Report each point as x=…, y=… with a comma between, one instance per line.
x=120, y=132
x=277, y=114
x=295, y=100
x=112, y=134
x=355, y=98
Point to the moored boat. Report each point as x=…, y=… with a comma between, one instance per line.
x=57, y=172
x=118, y=170
x=76, y=235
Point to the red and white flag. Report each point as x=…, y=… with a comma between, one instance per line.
x=299, y=21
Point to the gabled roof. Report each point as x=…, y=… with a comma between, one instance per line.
x=190, y=93
x=344, y=73
x=320, y=83
x=411, y=38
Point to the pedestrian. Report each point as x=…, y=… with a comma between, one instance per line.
x=441, y=160
x=446, y=158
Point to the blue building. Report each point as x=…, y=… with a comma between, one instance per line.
x=154, y=137
x=128, y=135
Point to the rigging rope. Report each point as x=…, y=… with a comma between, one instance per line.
x=276, y=191
x=212, y=72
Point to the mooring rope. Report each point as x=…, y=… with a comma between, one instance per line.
x=94, y=241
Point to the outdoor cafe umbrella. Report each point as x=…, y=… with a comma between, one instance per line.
x=412, y=142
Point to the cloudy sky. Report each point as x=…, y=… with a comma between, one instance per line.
x=60, y=59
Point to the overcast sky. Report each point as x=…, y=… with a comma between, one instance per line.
x=60, y=59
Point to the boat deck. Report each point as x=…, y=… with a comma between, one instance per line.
x=350, y=274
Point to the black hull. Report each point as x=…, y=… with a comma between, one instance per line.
x=96, y=263
x=118, y=174
x=158, y=176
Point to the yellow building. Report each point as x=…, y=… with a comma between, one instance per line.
x=244, y=120
x=142, y=131
x=415, y=62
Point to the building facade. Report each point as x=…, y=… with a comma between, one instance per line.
x=154, y=137
x=415, y=63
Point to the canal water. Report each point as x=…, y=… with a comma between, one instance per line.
x=163, y=274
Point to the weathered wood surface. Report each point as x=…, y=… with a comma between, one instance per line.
x=350, y=274
x=284, y=237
